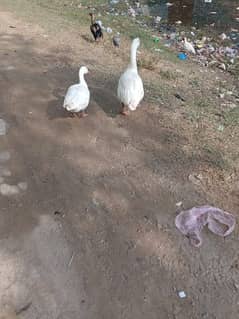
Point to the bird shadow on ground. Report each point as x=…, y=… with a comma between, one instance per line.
x=87, y=38
x=109, y=105
x=56, y=111
x=54, y=107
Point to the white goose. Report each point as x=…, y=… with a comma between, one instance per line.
x=188, y=46
x=78, y=96
x=130, y=88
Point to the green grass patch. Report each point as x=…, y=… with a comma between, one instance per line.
x=231, y=117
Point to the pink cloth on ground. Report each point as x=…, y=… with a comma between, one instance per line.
x=192, y=221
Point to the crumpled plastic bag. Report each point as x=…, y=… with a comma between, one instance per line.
x=192, y=221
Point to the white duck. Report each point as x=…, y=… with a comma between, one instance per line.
x=78, y=96
x=188, y=46
x=130, y=88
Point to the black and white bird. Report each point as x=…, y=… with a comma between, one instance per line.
x=96, y=28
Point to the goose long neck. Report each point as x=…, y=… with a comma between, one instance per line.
x=92, y=19
x=133, y=61
x=82, y=79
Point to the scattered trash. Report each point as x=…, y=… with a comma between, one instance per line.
x=182, y=56
x=191, y=222
x=168, y=45
x=156, y=39
x=222, y=66
x=145, y=10
x=71, y=260
x=172, y=36
x=132, y=12
x=223, y=36
x=220, y=128
x=109, y=30
x=179, y=204
x=157, y=19
x=214, y=50
x=182, y=294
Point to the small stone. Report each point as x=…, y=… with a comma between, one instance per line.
x=22, y=186
x=5, y=172
x=179, y=204
x=4, y=156
x=182, y=294
x=220, y=128
x=10, y=68
x=236, y=285
x=222, y=66
x=8, y=190
x=3, y=127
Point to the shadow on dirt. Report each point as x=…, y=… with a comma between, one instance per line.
x=56, y=111
x=88, y=38
x=109, y=105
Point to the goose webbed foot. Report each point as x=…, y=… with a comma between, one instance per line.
x=82, y=114
x=124, y=111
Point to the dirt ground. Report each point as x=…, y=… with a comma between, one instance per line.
x=93, y=235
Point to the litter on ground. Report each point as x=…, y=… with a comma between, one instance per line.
x=192, y=221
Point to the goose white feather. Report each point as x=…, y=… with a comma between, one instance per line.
x=78, y=95
x=189, y=47
x=130, y=88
